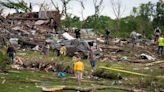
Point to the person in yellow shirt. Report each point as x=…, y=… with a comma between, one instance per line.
x=160, y=45
x=78, y=68
x=63, y=51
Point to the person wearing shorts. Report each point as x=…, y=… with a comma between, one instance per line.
x=91, y=58
x=78, y=69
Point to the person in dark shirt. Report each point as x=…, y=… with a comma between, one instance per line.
x=107, y=34
x=157, y=33
x=77, y=33
x=11, y=52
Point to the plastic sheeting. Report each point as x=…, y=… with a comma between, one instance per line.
x=68, y=36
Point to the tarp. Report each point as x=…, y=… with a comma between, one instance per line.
x=67, y=36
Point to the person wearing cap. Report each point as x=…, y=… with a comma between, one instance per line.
x=75, y=58
x=63, y=50
x=78, y=69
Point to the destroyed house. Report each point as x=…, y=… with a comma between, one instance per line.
x=31, y=28
x=34, y=16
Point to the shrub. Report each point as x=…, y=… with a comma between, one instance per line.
x=3, y=61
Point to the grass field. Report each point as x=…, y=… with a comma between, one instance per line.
x=31, y=81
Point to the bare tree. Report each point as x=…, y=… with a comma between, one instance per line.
x=118, y=11
x=44, y=6
x=56, y=6
x=64, y=8
x=1, y=10
x=98, y=6
x=82, y=7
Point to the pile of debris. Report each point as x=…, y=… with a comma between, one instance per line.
x=101, y=73
x=21, y=63
x=32, y=28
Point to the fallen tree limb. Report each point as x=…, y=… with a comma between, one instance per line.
x=56, y=88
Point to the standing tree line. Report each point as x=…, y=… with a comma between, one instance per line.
x=146, y=17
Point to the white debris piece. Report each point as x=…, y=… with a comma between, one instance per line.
x=36, y=48
x=40, y=22
x=147, y=56
x=100, y=40
x=16, y=28
x=13, y=41
x=67, y=36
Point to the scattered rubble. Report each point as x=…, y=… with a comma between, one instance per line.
x=29, y=28
x=101, y=73
x=146, y=56
x=32, y=30
x=21, y=63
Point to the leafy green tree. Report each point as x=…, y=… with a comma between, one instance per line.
x=159, y=15
x=143, y=16
x=128, y=24
x=3, y=61
x=19, y=6
x=73, y=22
x=102, y=23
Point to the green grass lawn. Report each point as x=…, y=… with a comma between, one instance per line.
x=30, y=81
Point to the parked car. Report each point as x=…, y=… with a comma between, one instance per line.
x=77, y=45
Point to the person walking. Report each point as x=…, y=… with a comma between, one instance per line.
x=160, y=45
x=45, y=49
x=79, y=68
x=133, y=36
x=77, y=33
x=63, y=51
x=91, y=58
x=107, y=34
x=157, y=33
x=11, y=52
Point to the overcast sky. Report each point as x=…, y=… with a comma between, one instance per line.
x=75, y=8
